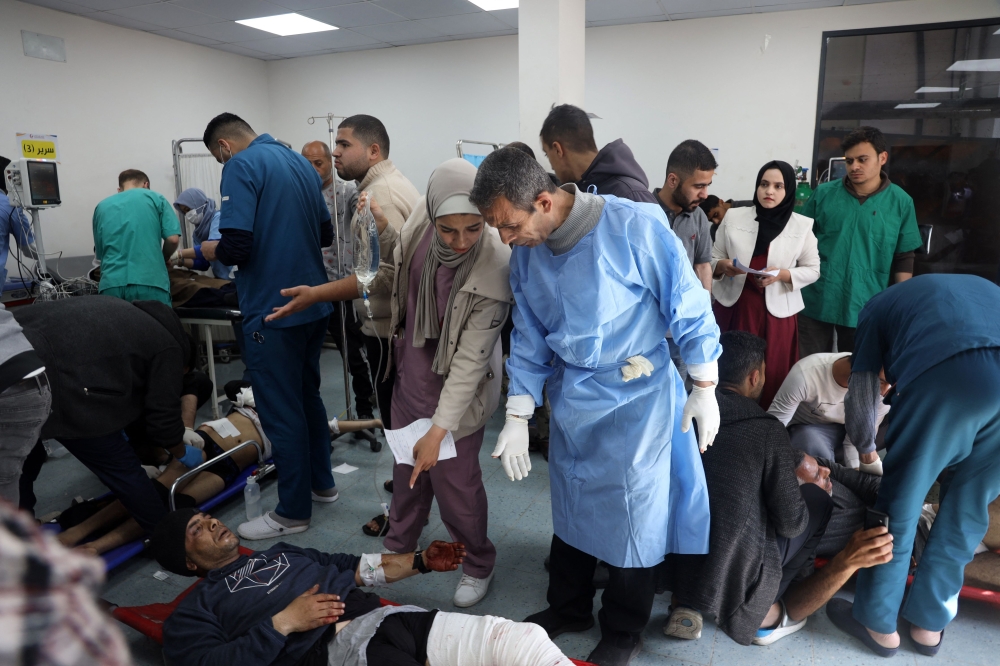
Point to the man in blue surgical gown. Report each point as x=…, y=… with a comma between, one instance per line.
x=597, y=282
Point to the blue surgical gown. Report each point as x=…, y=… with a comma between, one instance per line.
x=627, y=485
x=219, y=269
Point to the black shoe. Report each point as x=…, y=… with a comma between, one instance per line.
x=840, y=612
x=555, y=625
x=612, y=653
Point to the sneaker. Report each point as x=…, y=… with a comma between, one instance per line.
x=611, y=653
x=785, y=627
x=265, y=527
x=326, y=499
x=470, y=591
x=684, y=623
x=555, y=625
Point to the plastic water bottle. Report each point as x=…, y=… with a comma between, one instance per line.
x=251, y=497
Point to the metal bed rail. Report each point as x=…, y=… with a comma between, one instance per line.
x=263, y=467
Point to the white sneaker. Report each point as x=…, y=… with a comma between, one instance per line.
x=786, y=627
x=265, y=527
x=684, y=623
x=470, y=591
x=326, y=500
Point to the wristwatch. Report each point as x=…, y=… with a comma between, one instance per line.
x=418, y=562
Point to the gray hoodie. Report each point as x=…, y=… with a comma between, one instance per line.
x=17, y=357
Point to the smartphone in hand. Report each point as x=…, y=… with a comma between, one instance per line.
x=875, y=519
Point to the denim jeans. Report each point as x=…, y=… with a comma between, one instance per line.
x=24, y=408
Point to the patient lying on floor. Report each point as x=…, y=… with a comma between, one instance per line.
x=119, y=528
x=291, y=605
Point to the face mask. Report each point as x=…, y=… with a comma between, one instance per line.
x=222, y=147
x=193, y=217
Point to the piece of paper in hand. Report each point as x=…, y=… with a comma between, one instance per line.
x=344, y=468
x=403, y=440
x=746, y=269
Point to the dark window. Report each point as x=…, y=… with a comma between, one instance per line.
x=934, y=91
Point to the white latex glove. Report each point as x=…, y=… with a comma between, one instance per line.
x=175, y=259
x=637, y=367
x=191, y=438
x=872, y=468
x=852, y=458
x=703, y=406
x=512, y=448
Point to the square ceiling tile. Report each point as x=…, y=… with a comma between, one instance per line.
x=397, y=32
x=701, y=6
x=316, y=41
x=233, y=10
x=466, y=24
x=227, y=31
x=105, y=5
x=185, y=37
x=300, y=5
x=122, y=21
x=240, y=50
x=62, y=6
x=604, y=10
x=354, y=14
x=508, y=16
x=164, y=15
x=420, y=9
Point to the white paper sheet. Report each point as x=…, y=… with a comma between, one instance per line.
x=403, y=440
x=746, y=269
x=344, y=468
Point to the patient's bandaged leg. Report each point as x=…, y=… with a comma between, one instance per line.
x=470, y=640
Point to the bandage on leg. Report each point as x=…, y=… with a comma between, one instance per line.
x=469, y=640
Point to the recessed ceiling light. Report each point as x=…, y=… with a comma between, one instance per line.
x=936, y=89
x=918, y=105
x=493, y=5
x=287, y=24
x=991, y=65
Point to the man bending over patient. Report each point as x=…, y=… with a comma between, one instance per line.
x=299, y=606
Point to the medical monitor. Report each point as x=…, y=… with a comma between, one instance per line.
x=41, y=181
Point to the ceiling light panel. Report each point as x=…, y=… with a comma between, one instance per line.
x=918, y=105
x=287, y=24
x=936, y=89
x=991, y=65
x=494, y=5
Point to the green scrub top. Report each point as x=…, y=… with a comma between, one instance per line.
x=857, y=243
x=129, y=228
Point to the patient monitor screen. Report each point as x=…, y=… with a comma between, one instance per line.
x=44, y=183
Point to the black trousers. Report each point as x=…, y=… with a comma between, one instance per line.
x=378, y=356
x=816, y=337
x=798, y=553
x=626, y=602
x=116, y=464
x=355, y=355
x=401, y=640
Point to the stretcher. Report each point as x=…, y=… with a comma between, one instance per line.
x=122, y=554
x=148, y=620
x=967, y=591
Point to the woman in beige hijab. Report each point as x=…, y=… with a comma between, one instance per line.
x=449, y=277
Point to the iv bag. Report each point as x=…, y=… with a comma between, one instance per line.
x=366, y=247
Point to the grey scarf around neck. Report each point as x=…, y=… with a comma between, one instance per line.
x=455, y=176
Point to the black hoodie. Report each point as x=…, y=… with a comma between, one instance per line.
x=108, y=363
x=615, y=171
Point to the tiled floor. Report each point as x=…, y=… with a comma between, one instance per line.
x=520, y=526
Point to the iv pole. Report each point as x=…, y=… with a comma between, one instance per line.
x=329, y=118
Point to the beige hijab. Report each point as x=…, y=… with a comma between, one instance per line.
x=453, y=178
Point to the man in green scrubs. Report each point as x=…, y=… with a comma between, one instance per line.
x=867, y=232
x=135, y=232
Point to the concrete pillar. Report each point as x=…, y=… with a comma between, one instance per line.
x=550, y=46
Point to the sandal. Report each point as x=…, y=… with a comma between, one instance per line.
x=383, y=526
x=388, y=486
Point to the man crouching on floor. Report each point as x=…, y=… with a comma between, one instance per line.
x=293, y=606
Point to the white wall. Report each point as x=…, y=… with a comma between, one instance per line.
x=429, y=96
x=653, y=84
x=117, y=103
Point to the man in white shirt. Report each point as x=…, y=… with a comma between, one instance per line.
x=810, y=403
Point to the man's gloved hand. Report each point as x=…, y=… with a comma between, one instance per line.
x=175, y=259
x=872, y=468
x=703, y=406
x=191, y=438
x=192, y=457
x=512, y=448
